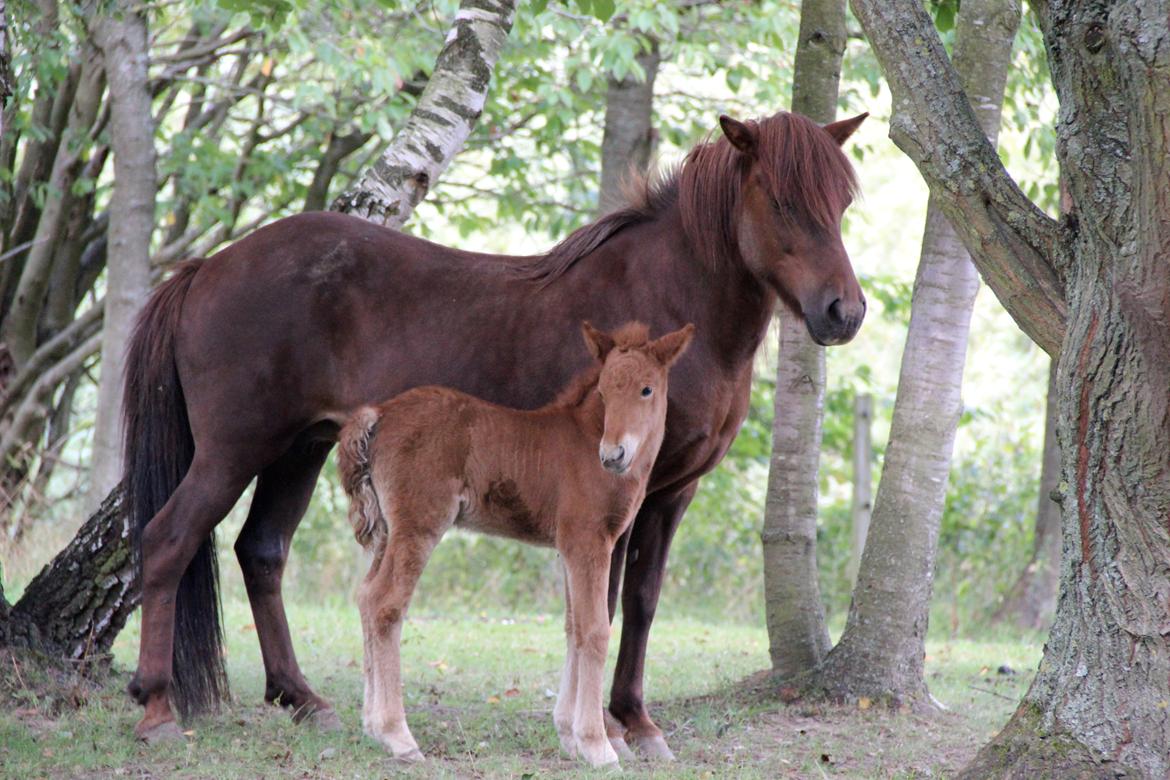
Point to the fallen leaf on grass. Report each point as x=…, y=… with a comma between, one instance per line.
x=493, y=700
x=864, y=703
x=512, y=692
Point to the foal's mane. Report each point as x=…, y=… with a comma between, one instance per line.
x=632, y=335
x=808, y=176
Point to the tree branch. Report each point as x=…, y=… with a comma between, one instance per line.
x=1012, y=242
x=441, y=122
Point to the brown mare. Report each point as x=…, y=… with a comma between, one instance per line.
x=244, y=365
x=569, y=475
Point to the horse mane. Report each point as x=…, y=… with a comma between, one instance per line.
x=632, y=335
x=807, y=174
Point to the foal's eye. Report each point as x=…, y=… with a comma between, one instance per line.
x=646, y=392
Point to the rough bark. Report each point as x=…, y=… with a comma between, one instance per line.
x=440, y=124
x=881, y=652
x=1031, y=601
x=79, y=602
x=1097, y=707
x=121, y=35
x=628, y=141
x=797, y=635
x=933, y=123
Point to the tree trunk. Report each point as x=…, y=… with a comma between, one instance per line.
x=440, y=124
x=1031, y=602
x=880, y=655
x=120, y=33
x=78, y=603
x=862, y=507
x=1097, y=707
x=797, y=635
x=628, y=142
x=5, y=68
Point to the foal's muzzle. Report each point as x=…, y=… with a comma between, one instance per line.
x=613, y=458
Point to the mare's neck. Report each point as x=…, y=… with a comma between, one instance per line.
x=730, y=307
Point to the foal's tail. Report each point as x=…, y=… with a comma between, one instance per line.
x=353, y=457
x=158, y=450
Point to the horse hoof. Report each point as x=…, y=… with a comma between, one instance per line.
x=325, y=720
x=167, y=731
x=621, y=748
x=409, y=757
x=653, y=748
x=568, y=744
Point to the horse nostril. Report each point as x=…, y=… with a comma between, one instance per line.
x=834, y=312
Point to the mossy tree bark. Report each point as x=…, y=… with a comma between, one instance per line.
x=1098, y=705
x=75, y=607
x=797, y=636
x=880, y=654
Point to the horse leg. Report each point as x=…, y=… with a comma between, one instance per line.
x=169, y=542
x=382, y=601
x=282, y=495
x=613, y=727
x=650, y=538
x=587, y=563
x=567, y=694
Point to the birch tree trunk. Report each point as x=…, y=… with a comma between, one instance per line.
x=797, y=635
x=628, y=141
x=1031, y=602
x=1098, y=705
x=120, y=33
x=440, y=124
x=880, y=654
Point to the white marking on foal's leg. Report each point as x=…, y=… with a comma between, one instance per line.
x=566, y=701
x=387, y=721
x=591, y=637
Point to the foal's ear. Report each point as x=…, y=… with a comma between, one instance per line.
x=741, y=135
x=670, y=347
x=846, y=127
x=598, y=342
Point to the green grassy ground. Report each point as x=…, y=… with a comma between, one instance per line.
x=479, y=696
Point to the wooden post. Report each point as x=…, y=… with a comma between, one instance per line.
x=862, y=479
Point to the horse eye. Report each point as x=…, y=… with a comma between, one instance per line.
x=646, y=391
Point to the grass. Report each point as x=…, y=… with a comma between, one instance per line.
x=479, y=695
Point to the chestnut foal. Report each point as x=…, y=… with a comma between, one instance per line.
x=570, y=475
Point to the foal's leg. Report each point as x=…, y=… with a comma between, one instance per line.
x=567, y=695
x=382, y=600
x=587, y=562
x=282, y=495
x=169, y=542
x=650, y=537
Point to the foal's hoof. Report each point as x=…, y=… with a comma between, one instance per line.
x=621, y=748
x=167, y=731
x=653, y=748
x=409, y=757
x=598, y=755
x=324, y=720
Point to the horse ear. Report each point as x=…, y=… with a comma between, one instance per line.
x=598, y=343
x=670, y=347
x=844, y=128
x=741, y=135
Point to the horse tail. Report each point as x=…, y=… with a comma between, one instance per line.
x=353, y=458
x=159, y=448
